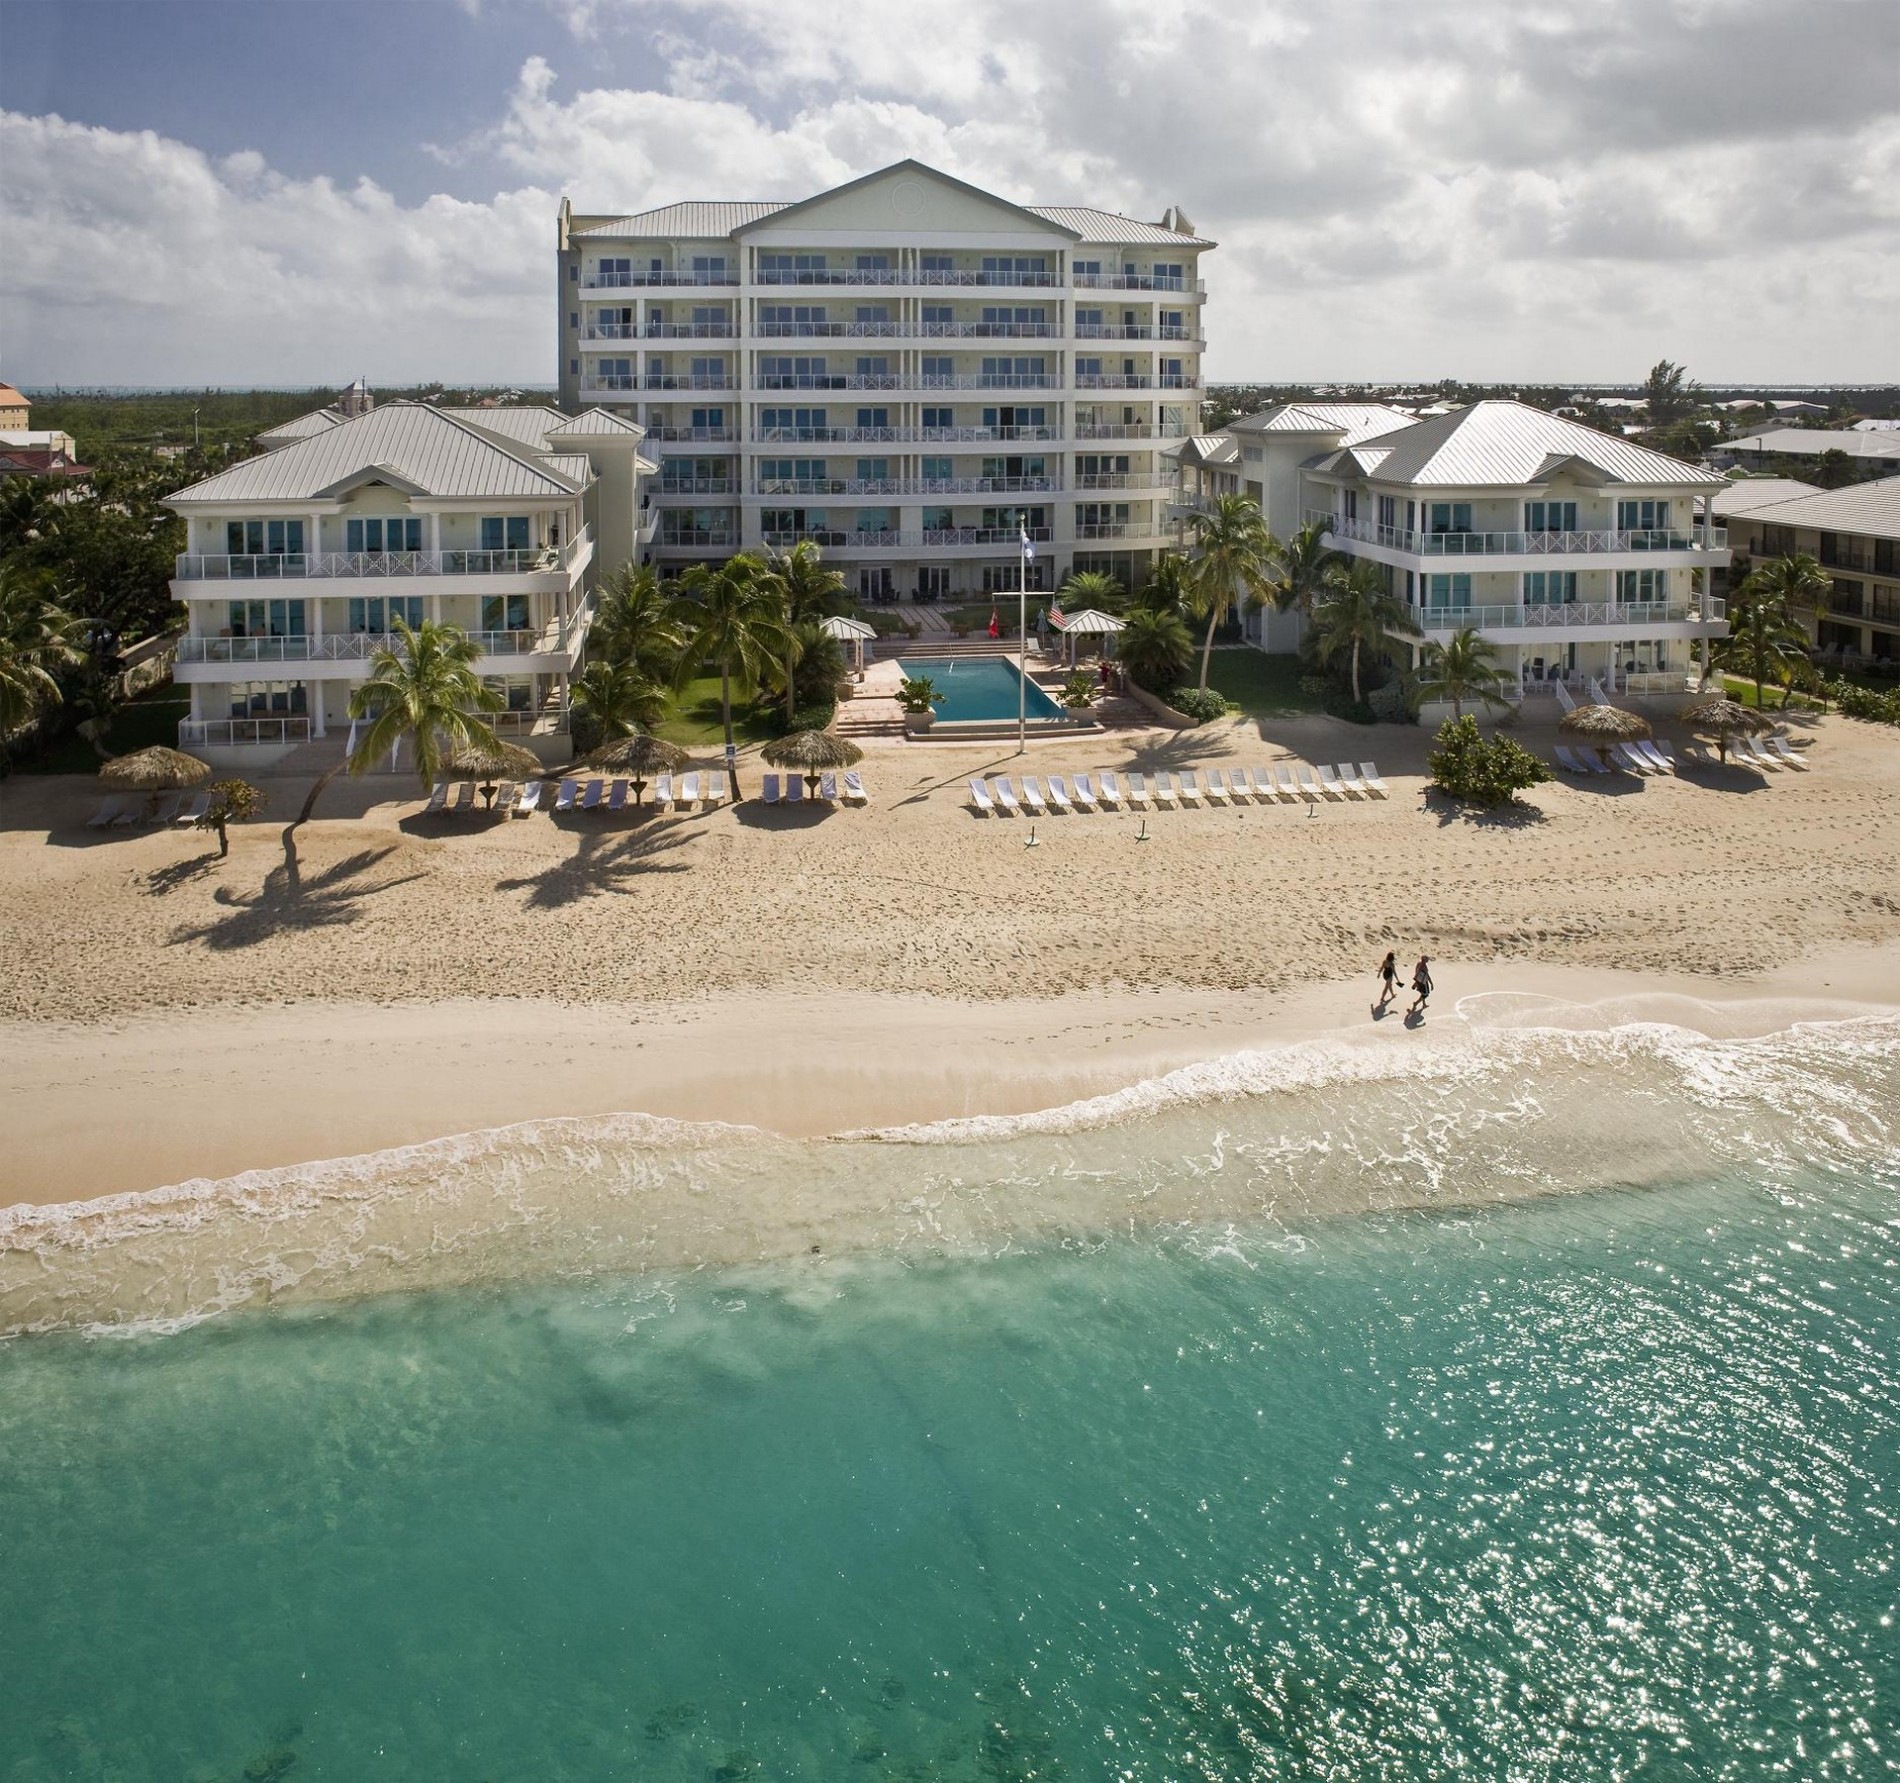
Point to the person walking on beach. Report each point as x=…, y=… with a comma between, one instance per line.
x=1389, y=974
x=1422, y=984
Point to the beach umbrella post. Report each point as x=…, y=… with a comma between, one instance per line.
x=639, y=757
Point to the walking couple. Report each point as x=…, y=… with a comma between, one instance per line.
x=1421, y=984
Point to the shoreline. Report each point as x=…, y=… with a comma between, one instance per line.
x=197, y=1096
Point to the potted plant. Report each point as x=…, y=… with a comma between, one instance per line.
x=1079, y=691
x=918, y=699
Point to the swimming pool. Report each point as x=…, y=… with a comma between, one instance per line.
x=982, y=690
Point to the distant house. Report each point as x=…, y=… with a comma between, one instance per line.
x=358, y=399
x=1876, y=453
x=48, y=453
x=14, y=417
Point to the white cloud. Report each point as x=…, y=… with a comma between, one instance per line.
x=1523, y=190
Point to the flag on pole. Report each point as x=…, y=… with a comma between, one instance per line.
x=1055, y=614
x=1029, y=550
x=996, y=622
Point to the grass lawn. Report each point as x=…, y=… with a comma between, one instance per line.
x=151, y=718
x=1740, y=689
x=1255, y=683
x=694, y=721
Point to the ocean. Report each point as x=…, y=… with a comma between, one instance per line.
x=1528, y=1411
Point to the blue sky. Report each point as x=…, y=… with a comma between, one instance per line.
x=273, y=191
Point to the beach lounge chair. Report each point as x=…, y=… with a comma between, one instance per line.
x=592, y=794
x=107, y=813
x=854, y=788
x=1059, y=794
x=464, y=799
x=565, y=796
x=828, y=788
x=530, y=801
x=688, y=795
x=193, y=812
x=1568, y=762
x=1259, y=783
x=1217, y=786
x=794, y=789
x=663, y=792
x=1349, y=781
x=1112, y=795
x=505, y=798
x=1138, y=792
x=1286, y=787
x=437, y=799
x=1190, y=787
x=1785, y=750
x=1085, y=793
x=1626, y=757
x=716, y=789
x=768, y=790
x=1032, y=797
x=1665, y=763
x=980, y=797
x=129, y=813
x=1310, y=789
x=1329, y=784
x=1745, y=749
x=1369, y=773
x=1165, y=791
x=617, y=796
x=1006, y=796
x=164, y=810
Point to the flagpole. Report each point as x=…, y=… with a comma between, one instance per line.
x=1022, y=646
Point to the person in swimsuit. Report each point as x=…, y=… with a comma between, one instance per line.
x=1389, y=973
x=1422, y=984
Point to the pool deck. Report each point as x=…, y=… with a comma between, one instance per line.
x=872, y=716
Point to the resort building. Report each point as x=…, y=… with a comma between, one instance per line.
x=1580, y=556
x=15, y=411
x=905, y=369
x=1873, y=453
x=1854, y=534
x=297, y=564
x=357, y=400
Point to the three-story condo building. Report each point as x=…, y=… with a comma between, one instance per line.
x=905, y=369
x=1579, y=555
x=298, y=563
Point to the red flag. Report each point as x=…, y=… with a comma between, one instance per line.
x=996, y=623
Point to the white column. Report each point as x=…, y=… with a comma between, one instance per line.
x=314, y=698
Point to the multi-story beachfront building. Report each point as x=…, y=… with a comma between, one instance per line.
x=1577, y=554
x=297, y=564
x=1854, y=534
x=906, y=369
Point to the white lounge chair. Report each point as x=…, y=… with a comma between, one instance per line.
x=1782, y=748
x=1664, y=762
x=564, y=798
x=1568, y=762
x=1761, y=755
x=1349, y=781
x=164, y=810
x=1190, y=787
x=106, y=815
x=768, y=790
x=129, y=813
x=1259, y=784
x=718, y=790
x=794, y=788
x=1369, y=773
x=530, y=801
x=592, y=794
x=1217, y=786
x=1113, y=798
x=505, y=798
x=1085, y=793
x=194, y=812
x=688, y=795
x=1286, y=787
x=854, y=788
x=1310, y=789
x=1032, y=797
x=663, y=792
x=1165, y=793
x=980, y=797
x=617, y=796
x=1006, y=796
x=828, y=788
x=1059, y=794
x=465, y=798
x=1138, y=792
x=1329, y=783
x=437, y=799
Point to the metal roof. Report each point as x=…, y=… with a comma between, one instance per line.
x=1503, y=444
x=1355, y=420
x=1744, y=494
x=1208, y=448
x=1110, y=226
x=1869, y=508
x=696, y=218
x=1805, y=442
x=437, y=453
x=305, y=427
x=597, y=421
x=526, y=426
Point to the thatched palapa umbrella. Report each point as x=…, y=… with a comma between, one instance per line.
x=813, y=753
x=157, y=769
x=490, y=758
x=1604, y=725
x=639, y=757
x=1715, y=715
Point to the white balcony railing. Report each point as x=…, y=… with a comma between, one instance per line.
x=1113, y=529
x=213, y=733
x=1632, y=616
x=627, y=281
x=668, y=434
x=808, y=436
x=891, y=275
x=375, y=565
x=1139, y=281
x=1113, y=380
x=1514, y=544
x=907, y=486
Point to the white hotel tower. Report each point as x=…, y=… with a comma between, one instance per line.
x=904, y=369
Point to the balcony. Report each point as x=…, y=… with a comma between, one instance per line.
x=226, y=733
x=697, y=380
x=934, y=538
x=552, y=639
x=1139, y=281
x=685, y=331
x=918, y=486
x=1515, y=544
x=679, y=488
x=807, y=436
x=1129, y=430
x=380, y=565
x=1139, y=331
x=711, y=538
x=1113, y=380
x=1123, y=480
x=670, y=435
x=831, y=330
x=891, y=275
x=1628, y=617
x=988, y=330
x=1114, y=529
x=626, y=281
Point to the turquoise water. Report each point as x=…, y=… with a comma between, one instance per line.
x=981, y=688
x=1602, y=1485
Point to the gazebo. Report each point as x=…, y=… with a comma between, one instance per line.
x=1091, y=622
x=850, y=631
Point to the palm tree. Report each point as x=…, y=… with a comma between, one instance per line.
x=814, y=666
x=735, y=617
x=1091, y=588
x=618, y=698
x=1795, y=581
x=1464, y=667
x=1355, y=612
x=1236, y=560
x=38, y=637
x=638, y=624
x=1166, y=591
x=1304, y=560
x=807, y=592
x=425, y=690
x=1155, y=646
x=1763, y=634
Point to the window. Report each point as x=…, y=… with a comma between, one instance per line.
x=873, y=367
x=790, y=269
x=805, y=423
x=1088, y=368
x=267, y=699
x=711, y=318
x=1033, y=518
x=376, y=536
x=709, y=267
x=874, y=470
x=709, y=418
x=874, y=314
x=1642, y=516
x=1173, y=324
x=936, y=263
x=614, y=272
x=1388, y=511
x=1023, y=269
x=1101, y=464
x=378, y=615
x=879, y=418
x=792, y=318
x=875, y=520
x=708, y=371
x=573, y=318
x=1013, y=418
x=1450, y=516
x=874, y=263
x=938, y=520
x=1088, y=269
x=1642, y=588
x=1101, y=513
x=1174, y=374
x=935, y=470
x=1349, y=504
x=1006, y=578
x=933, y=580
x=1016, y=467
x=573, y=368
x=792, y=519
x=1448, y=594
x=505, y=532
x=793, y=470
x=1550, y=588
x=505, y=612
x=939, y=366
x=939, y=315
x=1012, y=315
x=613, y=374
x=939, y=418
x=267, y=619
x=517, y=691
x=1550, y=516
x=781, y=371
x=1169, y=277
x=264, y=538
x=1023, y=367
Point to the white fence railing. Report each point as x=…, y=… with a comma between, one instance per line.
x=373, y=565
x=1515, y=544
x=1571, y=613
x=213, y=733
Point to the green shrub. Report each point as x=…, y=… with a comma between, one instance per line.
x=1390, y=704
x=1202, y=704
x=813, y=717
x=1080, y=690
x=1339, y=703
x=585, y=729
x=1853, y=701
x=1482, y=770
x=918, y=694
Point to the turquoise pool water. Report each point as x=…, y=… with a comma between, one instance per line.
x=981, y=689
x=1605, y=1485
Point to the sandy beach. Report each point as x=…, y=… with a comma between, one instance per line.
x=378, y=979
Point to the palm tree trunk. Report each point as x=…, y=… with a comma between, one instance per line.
x=725, y=700
x=791, y=704
x=316, y=791
x=1207, y=646
x=1355, y=671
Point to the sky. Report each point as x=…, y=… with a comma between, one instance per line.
x=243, y=192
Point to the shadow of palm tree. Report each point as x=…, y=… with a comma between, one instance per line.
x=288, y=903
x=162, y=881
x=604, y=866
